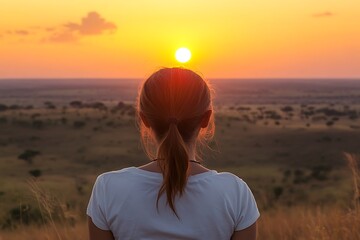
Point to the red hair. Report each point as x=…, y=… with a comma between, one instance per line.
x=172, y=103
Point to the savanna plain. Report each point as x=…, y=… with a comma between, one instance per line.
x=295, y=142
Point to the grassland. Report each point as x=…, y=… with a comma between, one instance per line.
x=291, y=155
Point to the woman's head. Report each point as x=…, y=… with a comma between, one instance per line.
x=175, y=112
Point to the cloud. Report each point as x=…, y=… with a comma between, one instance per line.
x=92, y=24
x=323, y=14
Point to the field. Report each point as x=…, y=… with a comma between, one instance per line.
x=285, y=139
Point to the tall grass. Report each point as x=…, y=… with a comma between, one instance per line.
x=353, y=163
x=330, y=222
x=316, y=223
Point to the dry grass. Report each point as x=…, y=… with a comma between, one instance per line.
x=302, y=223
x=296, y=223
x=316, y=223
x=353, y=163
x=299, y=223
x=58, y=232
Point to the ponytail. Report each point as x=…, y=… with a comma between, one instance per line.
x=173, y=156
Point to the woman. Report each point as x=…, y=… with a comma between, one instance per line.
x=173, y=196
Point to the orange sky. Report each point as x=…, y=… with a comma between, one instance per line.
x=228, y=38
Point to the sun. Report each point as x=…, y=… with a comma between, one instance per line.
x=183, y=55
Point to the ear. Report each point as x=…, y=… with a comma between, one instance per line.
x=205, y=119
x=144, y=120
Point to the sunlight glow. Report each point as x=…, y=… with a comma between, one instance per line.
x=183, y=55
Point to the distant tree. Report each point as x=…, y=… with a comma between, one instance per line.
x=329, y=123
x=331, y=112
x=243, y=108
x=98, y=105
x=49, y=105
x=272, y=115
x=3, y=107
x=120, y=105
x=35, y=173
x=287, y=109
x=28, y=155
x=76, y=104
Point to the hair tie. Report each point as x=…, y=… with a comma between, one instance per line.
x=173, y=120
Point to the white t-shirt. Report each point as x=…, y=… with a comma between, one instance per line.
x=213, y=206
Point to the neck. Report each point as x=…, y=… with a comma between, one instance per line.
x=191, y=151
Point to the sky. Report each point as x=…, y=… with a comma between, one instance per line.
x=227, y=38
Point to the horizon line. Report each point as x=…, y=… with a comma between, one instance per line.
x=212, y=78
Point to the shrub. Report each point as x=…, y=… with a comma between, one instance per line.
x=329, y=123
x=98, y=105
x=76, y=104
x=287, y=109
x=320, y=172
x=49, y=105
x=22, y=215
x=287, y=173
x=35, y=173
x=3, y=107
x=278, y=191
x=28, y=155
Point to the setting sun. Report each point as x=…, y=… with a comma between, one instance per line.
x=183, y=55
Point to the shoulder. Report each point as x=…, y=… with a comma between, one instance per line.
x=229, y=178
x=228, y=183
x=117, y=176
